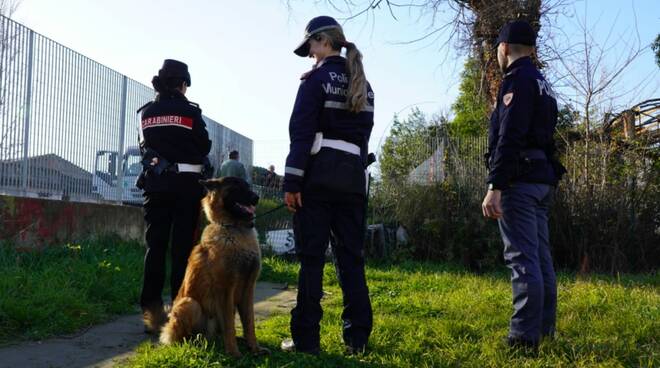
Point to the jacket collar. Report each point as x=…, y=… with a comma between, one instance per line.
x=523, y=61
x=334, y=59
x=175, y=95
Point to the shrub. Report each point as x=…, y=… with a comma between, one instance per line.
x=607, y=210
x=606, y=215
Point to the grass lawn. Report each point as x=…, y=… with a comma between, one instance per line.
x=65, y=288
x=424, y=315
x=441, y=316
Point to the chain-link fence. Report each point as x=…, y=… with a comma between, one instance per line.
x=444, y=156
x=274, y=223
x=69, y=124
x=427, y=161
x=417, y=173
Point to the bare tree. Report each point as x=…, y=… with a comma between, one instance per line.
x=656, y=49
x=472, y=27
x=592, y=69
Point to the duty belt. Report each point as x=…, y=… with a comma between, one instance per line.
x=533, y=154
x=337, y=144
x=189, y=168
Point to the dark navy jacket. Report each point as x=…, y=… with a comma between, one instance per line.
x=174, y=128
x=321, y=107
x=520, y=137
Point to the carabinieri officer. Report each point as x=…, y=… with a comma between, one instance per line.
x=523, y=172
x=325, y=183
x=175, y=145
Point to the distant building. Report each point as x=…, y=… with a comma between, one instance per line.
x=48, y=176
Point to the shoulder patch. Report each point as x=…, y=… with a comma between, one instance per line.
x=144, y=107
x=507, y=98
x=195, y=105
x=510, y=74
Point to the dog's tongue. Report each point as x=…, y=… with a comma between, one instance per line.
x=249, y=209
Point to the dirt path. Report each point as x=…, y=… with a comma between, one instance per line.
x=104, y=345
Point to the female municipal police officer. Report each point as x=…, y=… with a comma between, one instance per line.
x=325, y=183
x=175, y=144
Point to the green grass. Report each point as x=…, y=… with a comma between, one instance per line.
x=425, y=315
x=442, y=316
x=65, y=288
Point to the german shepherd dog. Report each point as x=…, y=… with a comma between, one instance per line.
x=222, y=271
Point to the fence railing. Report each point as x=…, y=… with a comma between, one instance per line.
x=432, y=158
x=411, y=170
x=69, y=128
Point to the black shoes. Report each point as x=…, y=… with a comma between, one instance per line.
x=526, y=345
x=352, y=350
x=289, y=346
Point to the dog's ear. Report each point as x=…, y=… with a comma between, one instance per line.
x=208, y=184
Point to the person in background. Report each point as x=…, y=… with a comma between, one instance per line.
x=270, y=178
x=233, y=167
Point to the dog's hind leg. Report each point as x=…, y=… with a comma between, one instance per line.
x=226, y=317
x=186, y=318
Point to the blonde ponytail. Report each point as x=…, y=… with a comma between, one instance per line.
x=356, y=98
x=357, y=88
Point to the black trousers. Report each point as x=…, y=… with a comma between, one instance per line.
x=169, y=216
x=314, y=223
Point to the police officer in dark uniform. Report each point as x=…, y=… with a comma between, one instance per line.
x=174, y=147
x=325, y=183
x=522, y=175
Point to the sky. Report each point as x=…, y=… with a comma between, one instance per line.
x=244, y=72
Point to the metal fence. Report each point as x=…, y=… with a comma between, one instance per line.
x=432, y=156
x=69, y=128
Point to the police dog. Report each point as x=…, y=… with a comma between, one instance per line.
x=222, y=271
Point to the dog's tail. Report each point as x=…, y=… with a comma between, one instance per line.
x=186, y=318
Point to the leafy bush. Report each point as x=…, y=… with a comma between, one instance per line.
x=607, y=211
x=408, y=145
x=471, y=106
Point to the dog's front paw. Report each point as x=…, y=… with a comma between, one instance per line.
x=233, y=353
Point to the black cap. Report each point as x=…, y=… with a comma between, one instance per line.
x=518, y=32
x=174, y=69
x=314, y=26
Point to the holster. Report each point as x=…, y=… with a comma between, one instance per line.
x=207, y=172
x=336, y=172
x=149, y=168
x=559, y=169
